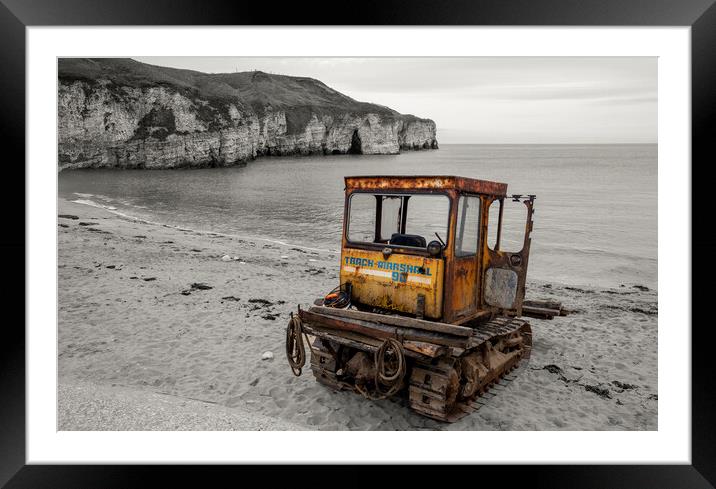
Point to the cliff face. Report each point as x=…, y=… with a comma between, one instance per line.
x=121, y=113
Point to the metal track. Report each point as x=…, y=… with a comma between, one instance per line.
x=432, y=390
x=433, y=386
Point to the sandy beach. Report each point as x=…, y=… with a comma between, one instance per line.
x=162, y=328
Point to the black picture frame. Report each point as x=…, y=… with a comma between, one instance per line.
x=700, y=15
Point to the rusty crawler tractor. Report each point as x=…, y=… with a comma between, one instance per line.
x=425, y=307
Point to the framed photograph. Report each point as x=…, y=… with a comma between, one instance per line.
x=353, y=241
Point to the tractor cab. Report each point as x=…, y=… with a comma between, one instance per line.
x=418, y=246
x=428, y=301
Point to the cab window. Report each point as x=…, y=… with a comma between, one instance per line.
x=398, y=219
x=467, y=234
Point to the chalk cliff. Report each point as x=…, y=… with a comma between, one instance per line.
x=122, y=113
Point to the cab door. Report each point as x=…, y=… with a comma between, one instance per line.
x=464, y=275
x=506, y=270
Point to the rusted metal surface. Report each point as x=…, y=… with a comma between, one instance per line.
x=427, y=349
x=405, y=322
x=426, y=182
x=460, y=294
x=457, y=325
x=444, y=383
x=498, y=347
x=379, y=330
x=394, y=282
x=463, y=288
x=500, y=285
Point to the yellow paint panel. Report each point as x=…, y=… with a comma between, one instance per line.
x=394, y=282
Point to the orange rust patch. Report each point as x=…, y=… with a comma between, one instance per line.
x=431, y=182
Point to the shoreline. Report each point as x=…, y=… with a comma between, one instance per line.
x=130, y=217
x=85, y=199
x=237, y=163
x=134, y=315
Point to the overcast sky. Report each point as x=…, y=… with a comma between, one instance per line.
x=487, y=100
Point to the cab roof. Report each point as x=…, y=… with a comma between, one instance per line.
x=426, y=182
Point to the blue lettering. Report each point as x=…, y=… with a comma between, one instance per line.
x=399, y=277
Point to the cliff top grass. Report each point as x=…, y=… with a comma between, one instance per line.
x=299, y=97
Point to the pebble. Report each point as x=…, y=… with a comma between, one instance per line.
x=226, y=258
x=267, y=355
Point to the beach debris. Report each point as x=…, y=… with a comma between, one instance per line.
x=651, y=312
x=149, y=279
x=270, y=317
x=581, y=291
x=553, y=369
x=566, y=377
x=654, y=311
x=230, y=298
x=201, y=286
x=196, y=250
x=261, y=301
x=623, y=385
x=543, y=309
x=83, y=223
x=228, y=258
x=267, y=355
x=196, y=286
x=67, y=216
x=140, y=236
x=600, y=391
x=312, y=259
x=95, y=230
x=133, y=277
x=63, y=225
x=643, y=288
x=284, y=256
x=254, y=382
x=111, y=266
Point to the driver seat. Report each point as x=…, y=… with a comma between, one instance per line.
x=407, y=240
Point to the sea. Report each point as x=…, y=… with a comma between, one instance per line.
x=595, y=221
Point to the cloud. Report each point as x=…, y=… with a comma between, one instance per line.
x=487, y=99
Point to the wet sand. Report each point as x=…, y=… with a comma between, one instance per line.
x=157, y=321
